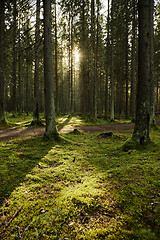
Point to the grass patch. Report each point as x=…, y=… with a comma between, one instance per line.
x=89, y=190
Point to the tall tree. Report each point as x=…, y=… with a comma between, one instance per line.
x=152, y=106
x=84, y=78
x=141, y=132
x=157, y=57
x=71, y=57
x=27, y=67
x=2, y=89
x=112, y=97
x=14, y=77
x=56, y=62
x=93, y=65
x=20, y=88
x=36, y=71
x=126, y=58
x=107, y=61
x=50, y=131
x=133, y=63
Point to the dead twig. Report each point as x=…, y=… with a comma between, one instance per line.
x=11, y=219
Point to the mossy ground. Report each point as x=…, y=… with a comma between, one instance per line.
x=95, y=189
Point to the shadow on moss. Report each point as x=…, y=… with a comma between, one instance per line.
x=131, y=145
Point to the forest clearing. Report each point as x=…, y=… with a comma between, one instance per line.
x=82, y=187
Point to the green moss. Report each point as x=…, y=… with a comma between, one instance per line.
x=129, y=145
x=96, y=189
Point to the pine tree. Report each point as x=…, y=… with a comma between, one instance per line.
x=141, y=132
x=2, y=89
x=51, y=131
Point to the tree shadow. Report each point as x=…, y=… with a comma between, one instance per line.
x=17, y=159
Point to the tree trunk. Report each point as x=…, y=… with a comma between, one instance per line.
x=27, y=70
x=133, y=64
x=2, y=89
x=14, y=80
x=112, y=66
x=107, y=64
x=126, y=61
x=141, y=130
x=71, y=67
x=98, y=89
x=20, y=95
x=84, y=56
x=152, y=93
x=93, y=65
x=56, y=64
x=157, y=95
x=50, y=131
x=36, y=71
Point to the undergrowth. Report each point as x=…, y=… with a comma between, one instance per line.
x=93, y=189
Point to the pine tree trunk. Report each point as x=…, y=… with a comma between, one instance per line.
x=14, y=80
x=71, y=67
x=141, y=131
x=133, y=64
x=56, y=64
x=107, y=64
x=152, y=93
x=126, y=63
x=93, y=65
x=2, y=88
x=98, y=89
x=27, y=71
x=112, y=97
x=20, y=99
x=51, y=131
x=157, y=95
x=36, y=71
x=84, y=56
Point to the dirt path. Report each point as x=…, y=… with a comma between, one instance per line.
x=39, y=131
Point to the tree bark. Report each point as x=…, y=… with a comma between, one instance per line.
x=50, y=131
x=14, y=80
x=93, y=65
x=133, y=63
x=56, y=64
x=84, y=56
x=141, y=132
x=2, y=88
x=126, y=61
x=27, y=70
x=152, y=84
x=71, y=67
x=36, y=71
x=112, y=97
x=107, y=63
x=20, y=95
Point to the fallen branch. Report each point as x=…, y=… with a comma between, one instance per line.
x=8, y=223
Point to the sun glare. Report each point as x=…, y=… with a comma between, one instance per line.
x=76, y=55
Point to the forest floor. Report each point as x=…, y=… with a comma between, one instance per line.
x=84, y=187
x=10, y=133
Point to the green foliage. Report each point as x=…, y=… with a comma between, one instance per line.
x=90, y=190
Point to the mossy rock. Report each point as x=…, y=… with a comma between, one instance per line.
x=75, y=131
x=105, y=134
